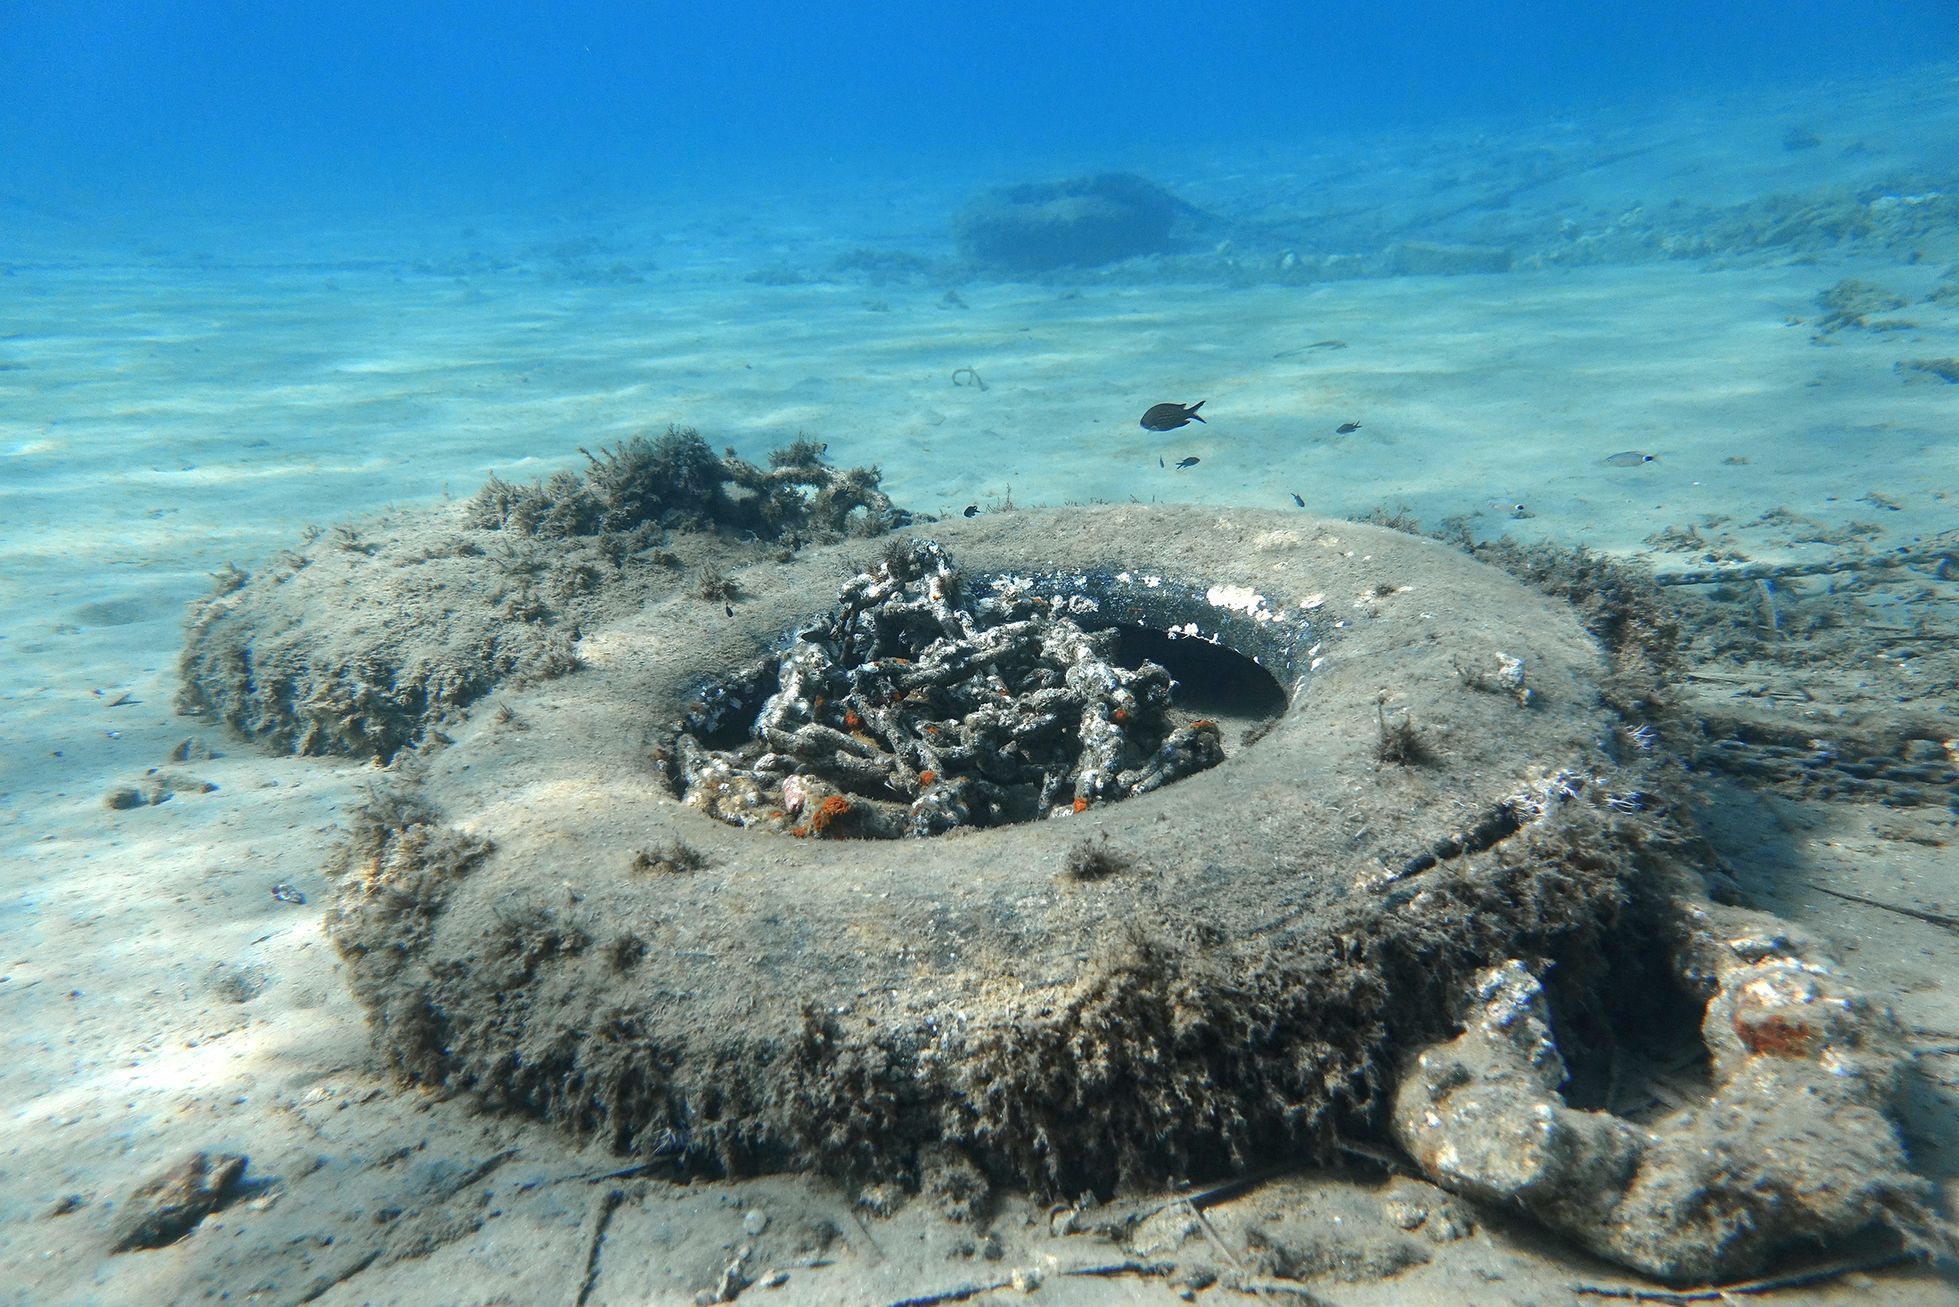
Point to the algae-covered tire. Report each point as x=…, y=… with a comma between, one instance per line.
x=1265, y=936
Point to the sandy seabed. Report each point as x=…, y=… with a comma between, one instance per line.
x=170, y=405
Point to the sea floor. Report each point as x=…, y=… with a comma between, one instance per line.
x=199, y=396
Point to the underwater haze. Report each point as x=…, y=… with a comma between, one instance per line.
x=367, y=370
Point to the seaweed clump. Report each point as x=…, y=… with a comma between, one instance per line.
x=925, y=702
x=1093, y=860
x=643, y=487
x=365, y=638
x=676, y=858
x=1401, y=743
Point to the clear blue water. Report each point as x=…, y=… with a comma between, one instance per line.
x=378, y=103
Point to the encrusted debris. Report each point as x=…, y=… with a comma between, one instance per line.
x=926, y=701
x=1794, y=1147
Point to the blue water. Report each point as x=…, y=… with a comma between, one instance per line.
x=370, y=103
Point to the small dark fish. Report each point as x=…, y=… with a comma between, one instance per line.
x=729, y=609
x=1297, y=500
x=1318, y=344
x=1168, y=417
x=1347, y=428
x=1159, y=462
x=972, y=510
x=1630, y=458
x=286, y=893
x=1192, y=461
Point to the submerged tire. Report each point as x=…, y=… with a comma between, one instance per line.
x=1234, y=971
